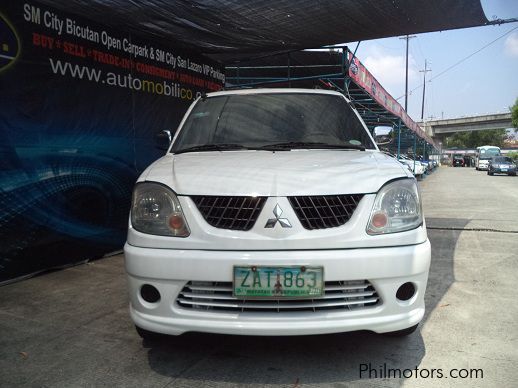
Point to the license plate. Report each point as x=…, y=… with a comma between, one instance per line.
x=504, y=169
x=278, y=282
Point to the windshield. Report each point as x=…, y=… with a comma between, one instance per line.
x=489, y=153
x=502, y=159
x=260, y=120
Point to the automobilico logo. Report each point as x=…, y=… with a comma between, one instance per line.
x=9, y=44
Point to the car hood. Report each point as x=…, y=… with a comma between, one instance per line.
x=280, y=173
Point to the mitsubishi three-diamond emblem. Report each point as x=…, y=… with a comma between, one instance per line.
x=277, y=212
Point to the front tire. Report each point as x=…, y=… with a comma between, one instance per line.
x=402, y=333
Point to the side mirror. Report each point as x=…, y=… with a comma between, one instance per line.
x=163, y=139
x=383, y=135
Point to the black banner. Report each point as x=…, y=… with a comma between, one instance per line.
x=79, y=106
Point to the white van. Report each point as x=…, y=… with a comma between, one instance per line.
x=274, y=213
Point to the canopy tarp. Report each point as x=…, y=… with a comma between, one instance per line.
x=335, y=70
x=227, y=29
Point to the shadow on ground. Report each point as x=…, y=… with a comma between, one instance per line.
x=443, y=234
x=282, y=360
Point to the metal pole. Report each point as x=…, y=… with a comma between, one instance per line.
x=345, y=67
x=398, y=138
x=406, y=78
x=289, y=70
x=424, y=86
x=407, y=38
x=415, y=149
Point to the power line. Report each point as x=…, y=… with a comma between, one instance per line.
x=462, y=60
x=469, y=56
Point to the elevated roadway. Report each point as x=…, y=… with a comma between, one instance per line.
x=439, y=129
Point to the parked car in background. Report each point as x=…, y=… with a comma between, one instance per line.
x=426, y=163
x=458, y=161
x=399, y=161
x=416, y=166
x=501, y=165
x=429, y=162
x=415, y=169
x=483, y=156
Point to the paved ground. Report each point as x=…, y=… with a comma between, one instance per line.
x=71, y=328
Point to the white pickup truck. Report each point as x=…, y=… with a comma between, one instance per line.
x=274, y=213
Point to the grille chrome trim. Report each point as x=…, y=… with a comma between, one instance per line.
x=324, y=211
x=209, y=288
x=229, y=297
x=230, y=212
x=217, y=296
x=276, y=306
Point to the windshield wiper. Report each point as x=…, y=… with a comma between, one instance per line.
x=212, y=147
x=305, y=144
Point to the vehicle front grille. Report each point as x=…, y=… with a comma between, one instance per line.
x=217, y=296
x=326, y=211
x=229, y=212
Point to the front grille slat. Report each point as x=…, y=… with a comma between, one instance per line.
x=243, y=201
x=338, y=288
x=217, y=296
x=229, y=212
x=279, y=306
x=230, y=297
x=322, y=212
x=210, y=288
x=249, y=224
x=338, y=222
x=207, y=296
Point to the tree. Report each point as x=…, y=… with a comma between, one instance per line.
x=473, y=139
x=514, y=113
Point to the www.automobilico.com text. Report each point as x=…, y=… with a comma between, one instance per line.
x=90, y=53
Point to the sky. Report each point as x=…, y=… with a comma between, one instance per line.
x=485, y=83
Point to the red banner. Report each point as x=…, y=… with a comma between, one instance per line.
x=364, y=79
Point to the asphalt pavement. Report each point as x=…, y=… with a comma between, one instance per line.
x=70, y=328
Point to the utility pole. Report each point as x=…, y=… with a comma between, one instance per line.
x=407, y=38
x=424, y=86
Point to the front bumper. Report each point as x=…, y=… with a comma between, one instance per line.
x=498, y=170
x=169, y=270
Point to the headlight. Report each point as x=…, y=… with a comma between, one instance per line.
x=397, y=208
x=156, y=210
